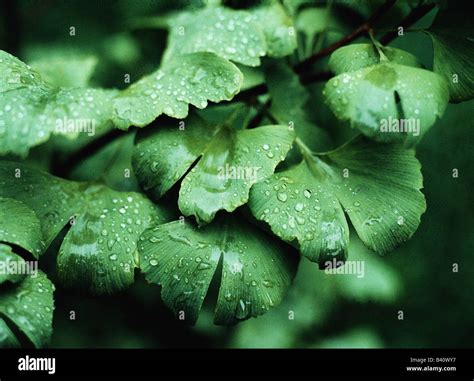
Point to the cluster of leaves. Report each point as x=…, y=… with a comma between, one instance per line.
x=295, y=191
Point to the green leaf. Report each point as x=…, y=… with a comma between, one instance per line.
x=453, y=42
x=31, y=109
x=388, y=101
x=229, y=162
x=66, y=70
x=288, y=100
x=358, y=56
x=256, y=270
x=10, y=260
x=19, y=225
x=7, y=337
x=239, y=36
x=98, y=253
x=28, y=305
x=377, y=185
x=182, y=80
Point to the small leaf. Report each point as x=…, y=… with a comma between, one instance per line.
x=453, y=41
x=376, y=184
x=239, y=36
x=29, y=305
x=98, y=253
x=358, y=56
x=256, y=270
x=229, y=163
x=388, y=102
x=183, y=80
x=31, y=109
x=19, y=225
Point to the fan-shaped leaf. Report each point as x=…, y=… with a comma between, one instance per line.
x=388, y=101
x=377, y=185
x=239, y=36
x=31, y=109
x=256, y=271
x=182, y=80
x=98, y=252
x=358, y=56
x=230, y=163
x=453, y=42
x=19, y=225
x=28, y=304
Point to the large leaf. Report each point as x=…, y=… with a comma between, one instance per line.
x=453, y=41
x=256, y=270
x=377, y=185
x=98, y=253
x=19, y=225
x=31, y=109
x=183, y=80
x=230, y=162
x=240, y=36
x=27, y=304
x=388, y=101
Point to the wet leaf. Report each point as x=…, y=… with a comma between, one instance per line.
x=377, y=185
x=256, y=270
x=182, y=80
x=387, y=101
x=237, y=35
x=19, y=225
x=27, y=304
x=229, y=162
x=98, y=253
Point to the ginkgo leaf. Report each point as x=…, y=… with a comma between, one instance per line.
x=31, y=109
x=453, y=42
x=27, y=304
x=182, y=80
x=358, y=56
x=10, y=262
x=98, y=253
x=289, y=97
x=377, y=185
x=237, y=35
x=66, y=70
x=230, y=162
x=388, y=101
x=19, y=225
x=256, y=270
x=7, y=337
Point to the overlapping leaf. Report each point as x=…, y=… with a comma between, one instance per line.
x=256, y=270
x=377, y=185
x=182, y=80
x=453, y=42
x=26, y=301
x=19, y=225
x=237, y=35
x=230, y=162
x=31, y=109
x=386, y=101
x=98, y=253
